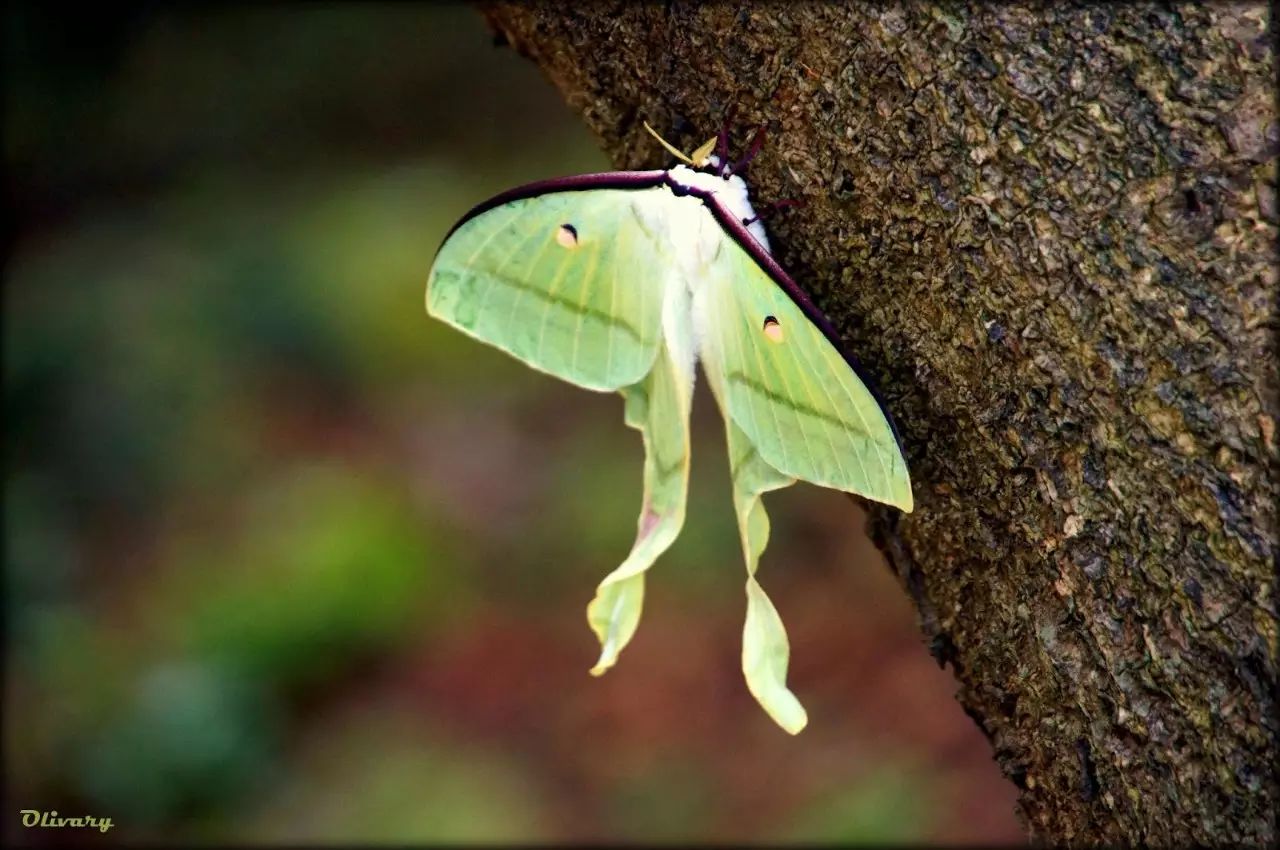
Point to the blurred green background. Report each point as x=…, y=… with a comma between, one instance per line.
x=287, y=561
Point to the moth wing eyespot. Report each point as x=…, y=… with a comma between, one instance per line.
x=567, y=235
x=772, y=329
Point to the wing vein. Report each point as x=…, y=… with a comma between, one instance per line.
x=777, y=424
x=813, y=403
x=866, y=426
x=546, y=305
x=582, y=303
x=537, y=260
x=613, y=296
x=774, y=358
x=497, y=272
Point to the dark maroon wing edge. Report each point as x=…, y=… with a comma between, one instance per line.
x=726, y=219
x=577, y=183
x=765, y=260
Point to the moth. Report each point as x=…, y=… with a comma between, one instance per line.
x=622, y=282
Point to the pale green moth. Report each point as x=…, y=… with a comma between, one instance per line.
x=621, y=282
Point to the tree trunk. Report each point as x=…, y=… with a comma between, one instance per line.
x=1048, y=234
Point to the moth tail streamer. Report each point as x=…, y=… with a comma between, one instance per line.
x=765, y=648
x=658, y=406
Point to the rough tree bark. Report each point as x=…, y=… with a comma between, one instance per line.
x=1048, y=233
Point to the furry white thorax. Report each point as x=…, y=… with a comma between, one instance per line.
x=698, y=238
x=731, y=191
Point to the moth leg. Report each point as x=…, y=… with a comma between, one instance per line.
x=765, y=649
x=658, y=406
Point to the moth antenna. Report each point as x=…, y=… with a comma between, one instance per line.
x=671, y=149
x=756, y=144
x=703, y=153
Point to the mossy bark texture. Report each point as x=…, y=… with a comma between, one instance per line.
x=1048, y=233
